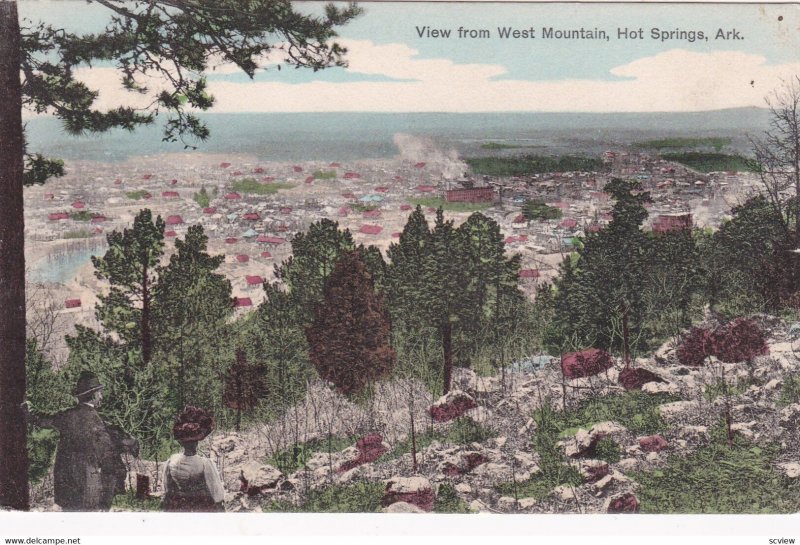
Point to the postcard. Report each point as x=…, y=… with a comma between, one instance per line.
x=421, y=258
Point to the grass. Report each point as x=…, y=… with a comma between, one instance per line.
x=636, y=410
x=684, y=143
x=710, y=162
x=555, y=471
x=136, y=195
x=361, y=497
x=128, y=502
x=202, y=198
x=719, y=479
x=463, y=432
x=447, y=501
x=296, y=457
x=79, y=233
x=532, y=164
x=790, y=391
x=82, y=215
x=253, y=186
x=713, y=391
x=423, y=440
x=438, y=202
x=324, y=174
x=607, y=449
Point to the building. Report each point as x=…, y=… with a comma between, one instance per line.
x=672, y=222
x=472, y=195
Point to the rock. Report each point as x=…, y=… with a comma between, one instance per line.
x=478, y=506
x=790, y=469
x=507, y=503
x=451, y=405
x=625, y=503
x=463, y=488
x=635, y=378
x=773, y=384
x=693, y=434
x=564, y=493
x=584, y=442
x=671, y=411
x=462, y=464
x=593, y=470
x=660, y=388
x=362, y=472
x=652, y=457
x=463, y=379
x=600, y=485
x=585, y=363
x=370, y=448
x=500, y=442
x=529, y=426
x=414, y=490
x=652, y=443
x=790, y=416
x=527, y=503
x=480, y=415
x=402, y=507
x=628, y=464
x=744, y=429
x=259, y=477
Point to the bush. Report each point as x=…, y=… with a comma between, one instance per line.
x=129, y=502
x=447, y=501
x=296, y=456
x=250, y=185
x=790, y=392
x=42, y=445
x=739, y=340
x=695, y=347
x=607, y=449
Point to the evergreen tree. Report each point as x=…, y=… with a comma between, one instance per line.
x=244, y=386
x=171, y=41
x=314, y=255
x=192, y=303
x=604, y=294
x=349, y=337
x=129, y=265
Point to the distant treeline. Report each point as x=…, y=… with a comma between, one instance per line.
x=684, y=143
x=710, y=162
x=533, y=164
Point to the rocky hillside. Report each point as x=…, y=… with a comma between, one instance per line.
x=507, y=443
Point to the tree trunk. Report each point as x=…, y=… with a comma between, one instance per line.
x=146, y=343
x=13, y=430
x=626, y=347
x=447, y=347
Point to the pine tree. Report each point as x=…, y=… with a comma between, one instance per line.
x=171, y=41
x=244, y=386
x=191, y=305
x=349, y=338
x=129, y=265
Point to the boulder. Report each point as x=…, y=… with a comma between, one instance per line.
x=693, y=434
x=370, y=448
x=790, y=469
x=585, y=363
x=414, y=490
x=660, y=388
x=652, y=443
x=635, y=378
x=480, y=415
x=790, y=416
x=252, y=477
x=585, y=442
x=527, y=503
x=564, y=493
x=402, y=507
x=593, y=470
x=624, y=503
x=451, y=405
x=463, y=464
x=506, y=503
x=671, y=411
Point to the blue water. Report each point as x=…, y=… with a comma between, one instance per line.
x=353, y=136
x=61, y=268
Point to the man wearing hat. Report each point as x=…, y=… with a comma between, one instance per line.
x=88, y=469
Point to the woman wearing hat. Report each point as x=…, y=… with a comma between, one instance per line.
x=191, y=481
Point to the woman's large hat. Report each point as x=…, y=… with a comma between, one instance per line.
x=87, y=384
x=193, y=424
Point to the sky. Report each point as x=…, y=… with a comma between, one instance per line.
x=394, y=69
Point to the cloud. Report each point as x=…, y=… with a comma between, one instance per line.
x=673, y=80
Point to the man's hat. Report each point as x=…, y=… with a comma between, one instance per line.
x=87, y=383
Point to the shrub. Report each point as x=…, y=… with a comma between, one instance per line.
x=586, y=363
x=740, y=340
x=790, y=392
x=695, y=347
x=447, y=501
x=42, y=445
